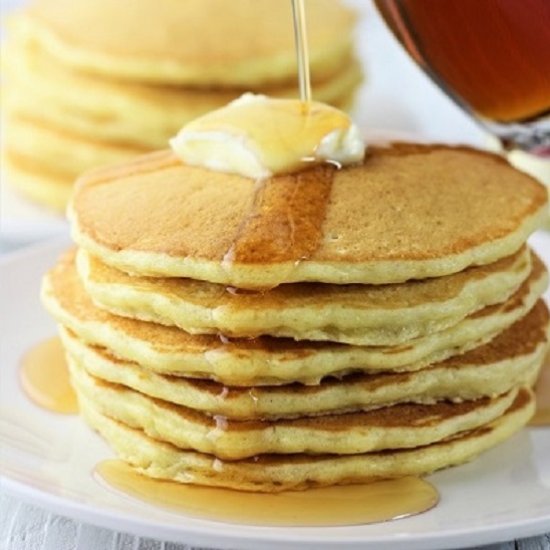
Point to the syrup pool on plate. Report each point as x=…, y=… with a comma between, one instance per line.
x=45, y=377
x=329, y=506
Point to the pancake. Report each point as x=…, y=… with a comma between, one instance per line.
x=275, y=473
x=99, y=37
x=351, y=314
x=57, y=149
x=511, y=359
x=399, y=426
x=48, y=187
x=123, y=111
x=450, y=208
x=265, y=360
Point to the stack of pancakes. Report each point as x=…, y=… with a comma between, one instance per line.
x=96, y=81
x=323, y=327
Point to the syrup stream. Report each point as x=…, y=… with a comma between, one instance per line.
x=302, y=52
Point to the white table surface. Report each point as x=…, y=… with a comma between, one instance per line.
x=413, y=105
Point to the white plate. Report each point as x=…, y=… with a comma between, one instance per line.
x=48, y=459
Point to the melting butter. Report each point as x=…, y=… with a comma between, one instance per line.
x=257, y=137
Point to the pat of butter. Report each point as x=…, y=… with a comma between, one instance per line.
x=257, y=136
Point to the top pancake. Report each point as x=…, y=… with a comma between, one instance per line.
x=245, y=43
x=408, y=211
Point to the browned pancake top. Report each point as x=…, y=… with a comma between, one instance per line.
x=404, y=202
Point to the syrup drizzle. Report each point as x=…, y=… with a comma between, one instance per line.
x=285, y=220
x=330, y=506
x=302, y=51
x=542, y=393
x=220, y=426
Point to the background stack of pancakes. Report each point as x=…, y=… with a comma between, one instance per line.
x=398, y=329
x=96, y=81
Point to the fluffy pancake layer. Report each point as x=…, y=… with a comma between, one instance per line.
x=265, y=360
x=275, y=473
x=352, y=314
x=450, y=208
x=399, y=426
x=511, y=359
x=350, y=429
